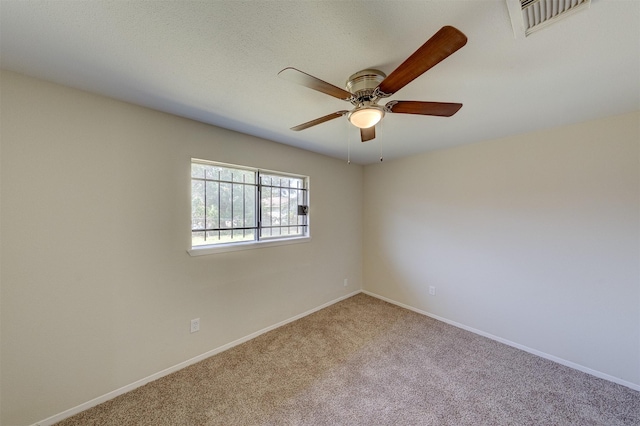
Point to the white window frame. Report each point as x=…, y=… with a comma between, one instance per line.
x=258, y=242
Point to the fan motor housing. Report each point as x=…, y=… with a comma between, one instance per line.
x=363, y=83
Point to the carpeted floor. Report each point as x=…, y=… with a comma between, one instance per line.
x=366, y=362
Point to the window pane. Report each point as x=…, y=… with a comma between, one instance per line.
x=292, y=211
x=243, y=235
x=197, y=170
x=197, y=239
x=226, y=174
x=244, y=176
x=225, y=205
x=197, y=205
x=237, y=210
x=266, y=206
x=225, y=236
x=212, y=172
x=280, y=199
x=265, y=232
x=271, y=180
x=213, y=237
x=250, y=206
x=213, y=211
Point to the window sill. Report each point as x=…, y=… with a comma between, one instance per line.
x=224, y=248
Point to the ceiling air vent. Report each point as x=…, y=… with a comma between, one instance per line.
x=528, y=16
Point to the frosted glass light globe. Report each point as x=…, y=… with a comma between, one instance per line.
x=366, y=117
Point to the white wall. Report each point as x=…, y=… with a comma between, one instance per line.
x=97, y=288
x=533, y=239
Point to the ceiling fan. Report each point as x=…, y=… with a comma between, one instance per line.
x=365, y=88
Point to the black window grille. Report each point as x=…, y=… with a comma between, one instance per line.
x=231, y=204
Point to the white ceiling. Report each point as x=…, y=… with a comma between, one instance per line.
x=217, y=62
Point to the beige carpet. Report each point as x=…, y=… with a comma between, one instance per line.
x=366, y=362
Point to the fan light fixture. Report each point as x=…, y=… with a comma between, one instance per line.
x=366, y=116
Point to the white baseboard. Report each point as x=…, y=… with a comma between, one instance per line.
x=110, y=395
x=564, y=362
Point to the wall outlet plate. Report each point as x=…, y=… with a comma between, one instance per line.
x=195, y=325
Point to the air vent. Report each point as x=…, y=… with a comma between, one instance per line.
x=528, y=16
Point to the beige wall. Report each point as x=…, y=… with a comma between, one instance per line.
x=533, y=239
x=97, y=286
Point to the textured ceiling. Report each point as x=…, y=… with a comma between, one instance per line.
x=217, y=62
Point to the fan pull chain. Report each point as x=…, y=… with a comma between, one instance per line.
x=348, y=145
x=380, y=132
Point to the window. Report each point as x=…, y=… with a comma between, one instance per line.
x=235, y=204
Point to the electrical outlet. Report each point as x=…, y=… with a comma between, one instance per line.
x=432, y=290
x=195, y=325
x=346, y=282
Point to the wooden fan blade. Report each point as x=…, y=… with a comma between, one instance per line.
x=441, y=109
x=443, y=43
x=318, y=120
x=368, y=133
x=307, y=80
